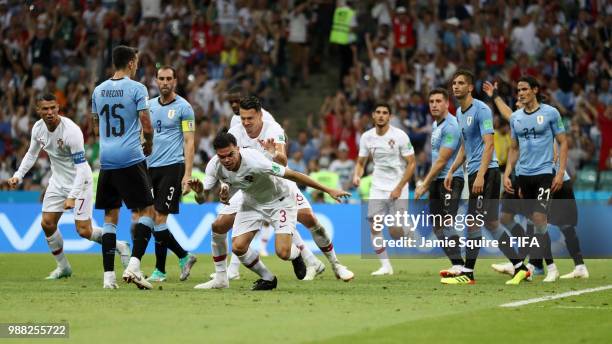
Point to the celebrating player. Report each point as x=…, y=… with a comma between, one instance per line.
x=120, y=113
x=445, y=144
x=170, y=165
x=70, y=185
x=265, y=198
x=394, y=164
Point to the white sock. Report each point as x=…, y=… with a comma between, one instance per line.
x=464, y=269
x=551, y=267
x=295, y=252
x=381, y=252
x=56, y=245
x=218, y=245
x=134, y=264
x=96, y=235
x=251, y=260
x=306, y=253
x=234, y=263
x=580, y=267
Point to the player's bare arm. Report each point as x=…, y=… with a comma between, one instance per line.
x=408, y=172
x=510, y=163
x=359, y=168
x=147, y=131
x=276, y=151
x=188, y=149
x=563, y=148
x=487, y=155
x=443, y=157
x=459, y=160
x=306, y=180
x=491, y=91
x=95, y=124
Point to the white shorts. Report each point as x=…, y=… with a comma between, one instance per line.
x=301, y=201
x=236, y=201
x=55, y=197
x=380, y=204
x=283, y=218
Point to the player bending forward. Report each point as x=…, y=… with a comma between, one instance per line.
x=266, y=197
x=70, y=185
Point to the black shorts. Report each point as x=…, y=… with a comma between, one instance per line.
x=444, y=202
x=167, y=188
x=536, y=192
x=129, y=184
x=563, y=208
x=486, y=203
x=511, y=202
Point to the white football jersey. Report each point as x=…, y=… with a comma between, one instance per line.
x=270, y=130
x=257, y=177
x=266, y=116
x=388, y=152
x=61, y=145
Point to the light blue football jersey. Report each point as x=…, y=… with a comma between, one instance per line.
x=169, y=122
x=475, y=122
x=446, y=134
x=117, y=103
x=536, y=133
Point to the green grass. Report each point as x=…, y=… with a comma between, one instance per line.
x=410, y=306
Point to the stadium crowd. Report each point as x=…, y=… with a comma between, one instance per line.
x=396, y=51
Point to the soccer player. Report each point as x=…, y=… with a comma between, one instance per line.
x=563, y=210
x=266, y=197
x=254, y=131
x=394, y=164
x=534, y=129
x=476, y=122
x=445, y=144
x=120, y=109
x=170, y=165
x=70, y=185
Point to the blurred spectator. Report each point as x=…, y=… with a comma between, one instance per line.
x=343, y=167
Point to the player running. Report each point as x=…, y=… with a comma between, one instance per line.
x=70, y=185
x=170, y=165
x=120, y=110
x=445, y=144
x=266, y=197
x=394, y=164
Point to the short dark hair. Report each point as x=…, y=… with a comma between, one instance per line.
x=170, y=68
x=236, y=89
x=469, y=76
x=122, y=55
x=383, y=104
x=48, y=97
x=223, y=140
x=438, y=90
x=250, y=102
x=533, y=82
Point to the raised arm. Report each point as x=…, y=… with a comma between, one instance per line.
x=491, y=92
x=303, y=179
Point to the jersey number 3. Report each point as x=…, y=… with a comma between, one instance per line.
x=113, y=112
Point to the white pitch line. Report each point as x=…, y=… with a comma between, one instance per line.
x=554, y=297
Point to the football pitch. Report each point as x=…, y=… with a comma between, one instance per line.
x=410, y=306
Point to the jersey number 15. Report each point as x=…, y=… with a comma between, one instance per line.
x=107, y=112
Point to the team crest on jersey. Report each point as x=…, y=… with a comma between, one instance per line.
x=540, y=119
x=171, y=113
x=60, y=144
x=469, y=120
x=391, y=143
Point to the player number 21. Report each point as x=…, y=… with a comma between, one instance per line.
x=542, y=191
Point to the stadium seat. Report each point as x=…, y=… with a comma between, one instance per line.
x=605, y=181
x=586, y=179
